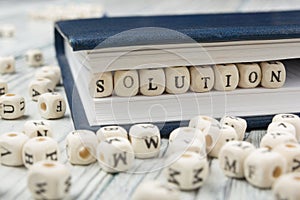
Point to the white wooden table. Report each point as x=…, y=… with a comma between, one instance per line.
x=90, y=182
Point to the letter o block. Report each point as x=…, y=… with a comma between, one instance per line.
x=250, y=75
x=126, y=83
x=51, y=105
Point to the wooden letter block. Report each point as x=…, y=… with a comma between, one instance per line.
x=239, y=125
x=177, y=80
x=262, y=167
x=48, y=74
x=273, y=74
x=287, y=187
x=12, y=106
x=226, y=77
x=11, y=145
x=34, y=57
x=232, y=156
x=188, y=172
x=7, y=65
x=290, y=118
x=40, y=86
x=51, y=105
x=272, y=139
x=115, y=155
x=49, y=180
x=281, y=127
x=111, y=131
x=37, y=128
x=101, y=85
x=250, y=75
x=291, y=152
x=156, y=190
x=202, y=78
x=152, y=81
x=39, y=148
x=126, y=83
x=81, y=147
x=3, y=87
x=145, y=140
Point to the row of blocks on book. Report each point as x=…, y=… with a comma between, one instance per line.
x=178, y=80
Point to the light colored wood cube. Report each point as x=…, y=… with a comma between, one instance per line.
x=226, y=77
x=272, y=139
x=51, y=105
x=287, y=187
x=145, y=140
x=177, y=80
x=202, y=78
x=188, y=172
x=7, y=65
x=232, y=156
x=154, y=189
x=11, y=145
x=37, y=128
x=291, y=152
x=34, y=57
x=262, y=167
x=101, y=85
x=7, y=30
x=3, y=87
x=81, y=147
x=115, y=155
x=40, y=148
x=239, y=125
x=126, y=83
x=49, y=180
x=152, y=81
x=281, y=127
x=273, y=74
x=48, y=74
x=111, y=131
x=226, y=134
x=12, y=106
x=290, y=118
x=250, y=75
x=40, y=86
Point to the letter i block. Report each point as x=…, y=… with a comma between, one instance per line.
x=51, y=105
x=177, y=80
x=273, y=74
x=145, y=140
x=101, y=85
x=226, y=77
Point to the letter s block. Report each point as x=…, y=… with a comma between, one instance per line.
x=101, y=84
x=51, y=105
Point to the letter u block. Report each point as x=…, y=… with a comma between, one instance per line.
x=12, y=106
x=177, y=80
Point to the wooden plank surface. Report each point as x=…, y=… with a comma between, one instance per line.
x=90, y=182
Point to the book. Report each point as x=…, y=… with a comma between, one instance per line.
x=85, y=47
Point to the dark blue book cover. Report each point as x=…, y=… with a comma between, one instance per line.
x=88, y=33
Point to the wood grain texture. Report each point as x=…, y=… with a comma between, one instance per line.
x=90, y=182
